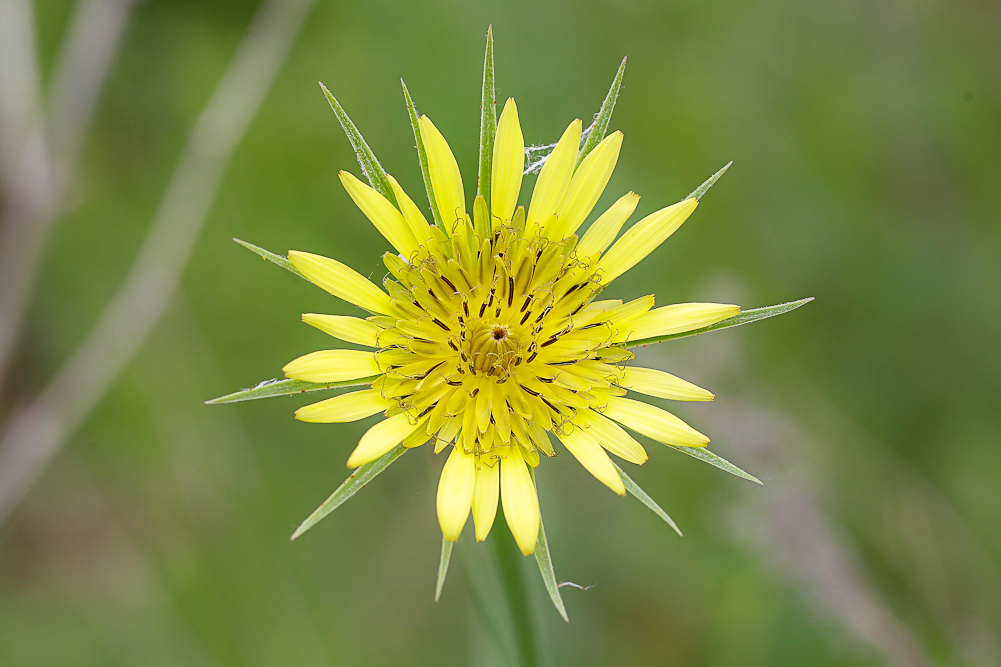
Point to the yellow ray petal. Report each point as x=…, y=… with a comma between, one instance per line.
x=555, y=176
x=485, y=496
x=653, y=422
x=593, y=458
x=603, y=231
x=381, y=213
x=350, y=329
x=380, y=439
x=653, y=382
x=508, y=165
x=521, y=502
x=341, y=281
x=345, y=408
x=678, y=318
x=418, y=224
x=332, y=366
x=643, y=238
x=612, y=437
x=586, y=186
x=455, y=492
x=445, y=179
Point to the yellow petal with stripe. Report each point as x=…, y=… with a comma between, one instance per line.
x=603, y=231
x=345, y=408
x=380, y=439
x=342, y=327
x=612, y=437
x=381, y=213
x=554, y=179
x=521, y=502
x=643, y=238
x=485, y=496
x=455, y=492
x=678, y=318
x=508, y=166
x=445, y=179
x=586, y=186
x=653, y=422
x=332, y=366
x=594, y=459
x=418, y=224
x=341, y=281
x=653, y=382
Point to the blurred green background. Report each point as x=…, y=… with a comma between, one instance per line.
x=866, y=140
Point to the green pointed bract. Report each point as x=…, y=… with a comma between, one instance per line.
x=284, y=387
x=352, y=485
x=370, y=166
x=488, y=120
x=641, y=495
x=703, y=454
x=271, y=257
x=711, y=181
x=446, y=556
x=601, y=121
x=545, y=562
x=422, y=155
x=744, y=317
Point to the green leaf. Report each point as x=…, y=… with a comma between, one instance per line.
x=545, y=562
x=370, y=166
x=702, y=189
x=703, y=454
x=600, y=125
x=446, y=556
x=633, y=488
x=744, y=317
x=271, y=257
x=352, y=485
x=488, y=120
x=285, y=387
x=422, y=155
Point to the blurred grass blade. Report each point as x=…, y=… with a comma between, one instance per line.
x=352, y=485
x=744, y=317
x=422, y=155
x=633, y=488
x=702, y=189
x=704, y=454
x=370, y=166
x=545, y=562
x=271, y=257
x=600, y=125
x=284, y=387
x=488, y=120
x=446, y=556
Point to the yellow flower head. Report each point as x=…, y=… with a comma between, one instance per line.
x=488, y=336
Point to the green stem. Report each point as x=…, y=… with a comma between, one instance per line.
x=508, y=559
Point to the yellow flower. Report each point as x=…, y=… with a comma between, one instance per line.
x=488, y=337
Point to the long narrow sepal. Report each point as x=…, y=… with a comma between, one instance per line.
x=488, y=120
x=369, y=164
x=271, y=257
x=548, y=574
x=641, y=495
x=286, y=387
x=352, y=485
x=703, y=454
x=422, y=155
x=744, y=317
x=711, y=181
x=446, y=556
x=600, y=125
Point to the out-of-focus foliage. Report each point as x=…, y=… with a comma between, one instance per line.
x=865, y=139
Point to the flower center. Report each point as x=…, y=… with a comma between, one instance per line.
x=499, y=332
